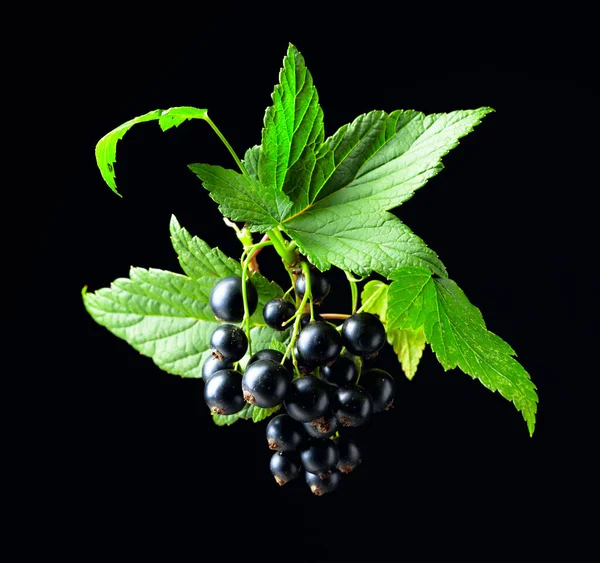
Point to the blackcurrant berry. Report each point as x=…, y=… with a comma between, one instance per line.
x=319, y=343
x=212, y=365
x=319, y=286
x=305, y=319
x=320, y=486
x=223, y=392
x=227, y=302
x=285, y=466
x=229, y=343
x=307, y=398
x=353, y=405
x=284, y=433
x=320, y=457
x=381, y=386
x=278, y=311
x=322, y=427
x=305, y=368
x=341, y=372
x=363, y=334
x=265, y=383
x=271, y=354
x=350, y=456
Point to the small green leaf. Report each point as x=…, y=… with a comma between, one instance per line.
x=262, y=338
x=293, y=127
x=197, y=258
x=373, y=298
x=248, y=412
x=229, y=419
x=259, y=414
x=279, y=345
x=106, y=148
x=457, y=333
x=408, y=346
x=242, y=198
x=250, y=161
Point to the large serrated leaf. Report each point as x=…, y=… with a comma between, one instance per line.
x=457, y=333
x=364, y=170
x=361, y=240
x=293, y=127
x=161, y=315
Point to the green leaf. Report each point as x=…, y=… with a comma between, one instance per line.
x=359, y=239
x=197, y=258
x=373, y=298
x=106, y=148
x=209, y=265
x=162, y=315
x=263, y=337
x=229, y=419
x=259, y=414
x=242, y=198
x=456, y=332
x=280, y=346
x=293, y=127
x=408, y=346
x=248, y=412
x=384, y=158
x=365, y=169
x=250, y=161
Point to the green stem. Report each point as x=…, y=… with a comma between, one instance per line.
x=287, y=255
x=298, y=316
x=308, y=288
x=226, y=143
x=245, y=299
x=353, y=291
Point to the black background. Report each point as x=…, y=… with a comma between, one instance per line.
x=114, y=456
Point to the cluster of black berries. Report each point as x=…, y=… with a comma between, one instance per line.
x=329, y=394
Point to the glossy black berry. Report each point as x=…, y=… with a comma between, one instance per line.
x=323, y=486
x=322, y=427
x=223, y=392
x=284, y=433
x=305, y=368
x=307, y=399
x=342, y=372
x=271, y=354
x=381, y=386
x=278, y=311
x=320, y=457
x=353, y=405
x=265, y=383
x=228, y=343
x=319, y=286
x=305, y=319
x=350, y=456
x=227, y=302
x=212, y=365
x=363, y=334
x=285, y=466
x=319, y=343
